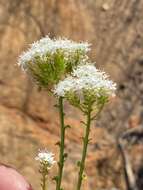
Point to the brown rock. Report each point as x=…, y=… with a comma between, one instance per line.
x=27, y=118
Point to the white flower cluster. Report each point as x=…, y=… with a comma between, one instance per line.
x=45, y=157
x=87, y=70
x=85, y=77
x=47, y=45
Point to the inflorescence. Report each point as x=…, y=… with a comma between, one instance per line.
x=49, y=60
x=86, y=85
x=45, y=157
x=63, y=67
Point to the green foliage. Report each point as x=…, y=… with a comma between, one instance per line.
x=88, y=98
x=74, y=60
x=50, y=68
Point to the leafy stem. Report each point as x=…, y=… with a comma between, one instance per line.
x=43, y=181
x=44, y=172
x=62, y=145
x=86, y=140
x=85, y=145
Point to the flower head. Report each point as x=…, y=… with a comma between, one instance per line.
x=88, y=70
x=86, y=85
x=48, y=60
x=46, y=158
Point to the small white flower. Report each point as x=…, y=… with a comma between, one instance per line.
x=45, y=157
x=86, y=77
x=47, y=45
x=88, y=70
x=64, y=86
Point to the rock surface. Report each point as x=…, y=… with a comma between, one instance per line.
x=27, y=118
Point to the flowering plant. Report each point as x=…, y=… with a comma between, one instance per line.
x=63, y=67
x=86, y=86
x=46, y=160
x=47, y=61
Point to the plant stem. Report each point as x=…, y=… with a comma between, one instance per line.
x=85, y=144
x=62, y=144
x=43, y=181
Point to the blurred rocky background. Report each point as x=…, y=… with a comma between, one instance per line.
x=28, y=120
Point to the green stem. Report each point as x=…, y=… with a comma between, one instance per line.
x=62, y=144
x=43, y=181
x=85, y=144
